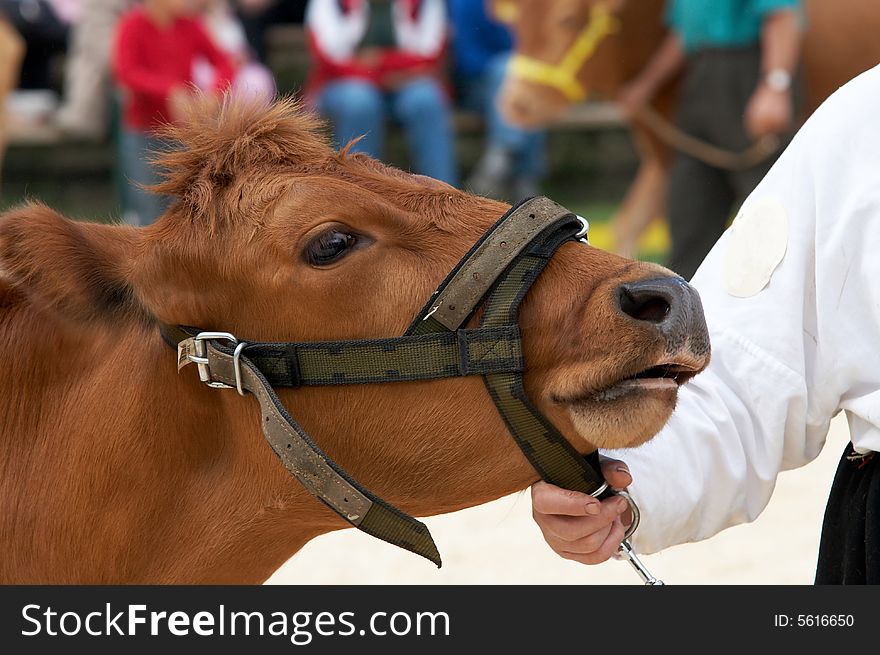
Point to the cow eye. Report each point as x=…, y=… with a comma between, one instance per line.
x=329, y=247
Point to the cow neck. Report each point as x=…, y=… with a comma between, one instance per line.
x=496, y=273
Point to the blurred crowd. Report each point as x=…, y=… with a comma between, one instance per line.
x=374, y=63
x=408, y=64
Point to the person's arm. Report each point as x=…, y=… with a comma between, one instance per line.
x=224, y=69
x=666, y=62
x=770, y=109
x=129, y=71
x=786, y=356
x=422, y=45
x=334, y=36
x=424, y=38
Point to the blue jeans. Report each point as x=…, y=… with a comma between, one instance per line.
x=357, y=107
x=140, y=207
x=528, y=147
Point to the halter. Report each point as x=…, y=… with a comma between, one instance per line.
x=563, y=76
x=500, y=268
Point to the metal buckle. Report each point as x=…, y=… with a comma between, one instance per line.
x=200, y=359
x=585, y=228
x=634, y=509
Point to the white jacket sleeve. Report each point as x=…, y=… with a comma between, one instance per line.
x=788, y=357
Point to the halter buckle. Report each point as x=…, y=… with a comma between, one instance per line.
x=200, y=357
x=582, y=234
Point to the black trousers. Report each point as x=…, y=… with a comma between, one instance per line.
x=716, y=90
x=43, y=32
x=849, y=551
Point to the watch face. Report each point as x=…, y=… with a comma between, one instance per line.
x=778, y=80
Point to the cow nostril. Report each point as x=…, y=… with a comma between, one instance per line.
x=644, y=306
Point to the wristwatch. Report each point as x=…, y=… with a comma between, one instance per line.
x=778, y=79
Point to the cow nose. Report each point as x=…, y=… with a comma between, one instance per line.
x=666, y=302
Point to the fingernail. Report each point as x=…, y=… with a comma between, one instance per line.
x=593, y=509
x=622, y=505
x=622, y=469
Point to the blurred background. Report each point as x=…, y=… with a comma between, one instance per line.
x=65, y=110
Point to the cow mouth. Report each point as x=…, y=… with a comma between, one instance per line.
x=659, y=379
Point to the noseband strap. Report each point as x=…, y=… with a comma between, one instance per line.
x=564, y=76
x=496, y=273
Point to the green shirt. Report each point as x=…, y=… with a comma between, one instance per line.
x=721, y=23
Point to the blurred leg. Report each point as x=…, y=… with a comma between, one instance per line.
x=700, y=202
x=355, y=108
x=140, y=206
x=644, y=201
x=527, y=146
x=86, y=77
x=514, y=160
x=423, y=109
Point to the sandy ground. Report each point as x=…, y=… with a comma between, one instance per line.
x=499, y=544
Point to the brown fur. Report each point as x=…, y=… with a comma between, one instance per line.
x=117, y=469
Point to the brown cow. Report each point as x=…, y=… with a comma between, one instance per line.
x=117, y=469
x=840, y=42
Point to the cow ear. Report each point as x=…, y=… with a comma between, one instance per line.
x=72, y=268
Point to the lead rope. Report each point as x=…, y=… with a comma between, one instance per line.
x=757, y=153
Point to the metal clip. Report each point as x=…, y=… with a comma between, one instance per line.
x=200, y=358
x=585, y=228
x=626, y=550
x=236, y=365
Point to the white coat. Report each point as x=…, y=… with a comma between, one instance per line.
x=787, y=357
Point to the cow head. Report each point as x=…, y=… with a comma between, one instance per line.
x=614, y=44
x=273, y=236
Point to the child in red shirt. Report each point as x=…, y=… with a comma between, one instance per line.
x=156, y=47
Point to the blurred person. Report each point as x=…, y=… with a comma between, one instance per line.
x=793, y=310
x=739, y=59
x=252, y=79
x=154, y=53
x=513, y=162
x=376, y=59
x=257, y=16
x=44, y=26
x=86, y=97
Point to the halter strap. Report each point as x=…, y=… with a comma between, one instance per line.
x=502, y=265
x=535, y=230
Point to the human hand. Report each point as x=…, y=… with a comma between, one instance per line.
x=579, y=527
x=769, y=112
